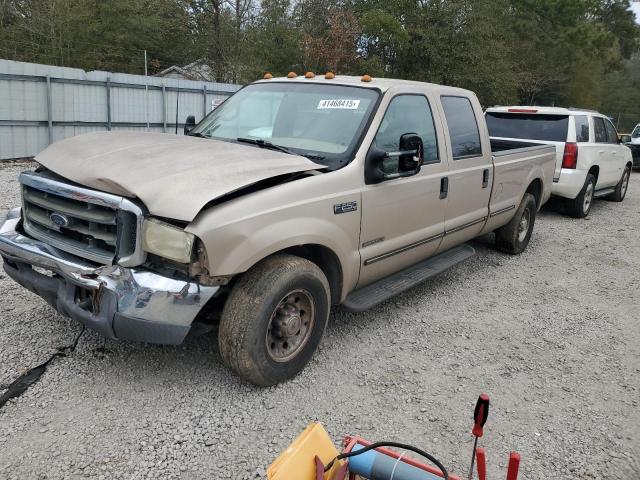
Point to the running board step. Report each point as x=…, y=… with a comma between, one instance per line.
x=371, y=295
x=604, y=192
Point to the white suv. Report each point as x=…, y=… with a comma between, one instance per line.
x=591, y=161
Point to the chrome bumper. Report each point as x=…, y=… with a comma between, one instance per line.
x=124, y=303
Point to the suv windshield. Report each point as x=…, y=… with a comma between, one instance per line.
x=636, y=132
x=322, y=122
x=548, y=128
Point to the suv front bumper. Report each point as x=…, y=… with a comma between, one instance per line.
x=118, y=302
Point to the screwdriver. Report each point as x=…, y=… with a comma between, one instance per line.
x=480, y=415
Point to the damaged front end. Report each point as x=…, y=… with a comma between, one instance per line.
x=130, y=303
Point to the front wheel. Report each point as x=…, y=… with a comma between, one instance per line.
x=622, y=186
x=514, y=237
x=274, y=319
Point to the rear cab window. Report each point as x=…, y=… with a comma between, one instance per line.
x=529, y=126
x=463, y=127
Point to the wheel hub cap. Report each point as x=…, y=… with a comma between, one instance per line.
x=290, y=326
x=523, y=226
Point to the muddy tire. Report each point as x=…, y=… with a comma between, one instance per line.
x=622, y=186
x=274, y=319
x=580, y=206
x=514, y=237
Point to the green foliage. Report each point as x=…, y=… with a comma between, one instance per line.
x=546, y=52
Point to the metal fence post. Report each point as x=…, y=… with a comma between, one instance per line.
x=49, y=110
x=164, y=109
x=204, y=100
x=109, y=103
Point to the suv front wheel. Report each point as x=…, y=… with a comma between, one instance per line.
x=274, y=319
x=622, y=186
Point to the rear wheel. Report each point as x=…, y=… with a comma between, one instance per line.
x=621, y=188
x=274, y=319
x=514, y=237
x=580, y=206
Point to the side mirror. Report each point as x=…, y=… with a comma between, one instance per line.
x=189, y=124
x=410, y=158
x=625, y=138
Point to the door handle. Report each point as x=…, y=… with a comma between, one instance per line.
x=444, y=187
x=601, y=152
x=485, y=178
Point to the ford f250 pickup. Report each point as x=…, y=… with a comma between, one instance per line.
x=294, y=195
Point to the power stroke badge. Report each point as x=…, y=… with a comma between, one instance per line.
x=345, y=207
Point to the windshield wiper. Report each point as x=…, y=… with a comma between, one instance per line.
x=265, y=144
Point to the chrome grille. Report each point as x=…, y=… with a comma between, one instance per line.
x=93, y=225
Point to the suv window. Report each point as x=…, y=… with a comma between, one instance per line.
x=463, y=127
x=600, y=130
x=582, y=128
x=407, y=114
x=530, y=126
x=612, y=134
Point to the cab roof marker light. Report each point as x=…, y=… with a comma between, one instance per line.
x=366, y=78
x=268, y=76
x=309, y=75
x=329, y=75
x=292, y=75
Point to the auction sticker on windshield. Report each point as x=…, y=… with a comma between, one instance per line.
x=339, y=103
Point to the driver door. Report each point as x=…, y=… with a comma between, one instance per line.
x=403, y=219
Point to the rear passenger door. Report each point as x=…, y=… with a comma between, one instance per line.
x=470, y=171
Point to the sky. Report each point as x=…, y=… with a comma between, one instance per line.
x=635, y=6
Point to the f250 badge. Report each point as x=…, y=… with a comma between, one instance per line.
x=345, y=207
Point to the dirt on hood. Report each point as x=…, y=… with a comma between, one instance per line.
x=174, y=176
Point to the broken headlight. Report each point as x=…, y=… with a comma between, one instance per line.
x=167, y=241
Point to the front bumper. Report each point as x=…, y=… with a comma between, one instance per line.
x=118, y=302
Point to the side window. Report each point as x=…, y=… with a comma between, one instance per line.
x=600, y=130
x=582, y=128
x=463, y=127
x=612, y=134
x=407, y=114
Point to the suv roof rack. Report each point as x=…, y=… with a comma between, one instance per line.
x=578, y=109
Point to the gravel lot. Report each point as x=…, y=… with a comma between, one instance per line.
x=552, y=335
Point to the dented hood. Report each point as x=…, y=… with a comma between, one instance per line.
x=174, y=176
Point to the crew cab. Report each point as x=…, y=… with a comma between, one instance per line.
x=591, y=161
x=295, y=194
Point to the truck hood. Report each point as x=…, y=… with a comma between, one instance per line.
x=174, y=176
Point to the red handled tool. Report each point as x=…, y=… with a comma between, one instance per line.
x=480, y=415
x=481, y=458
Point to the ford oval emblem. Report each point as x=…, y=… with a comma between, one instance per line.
x=59, y=219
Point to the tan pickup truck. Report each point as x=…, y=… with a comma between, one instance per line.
x=294, y=195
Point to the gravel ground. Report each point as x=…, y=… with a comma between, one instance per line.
x=552, y=335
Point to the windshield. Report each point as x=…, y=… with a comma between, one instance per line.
x=322, y=122
x=636, y=132
x=549, y=128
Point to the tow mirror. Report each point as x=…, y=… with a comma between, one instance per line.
x=189, y=124
x=410, y=158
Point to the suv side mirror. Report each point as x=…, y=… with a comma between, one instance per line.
x=625, y=138
x=189, y=124
x=410, y=158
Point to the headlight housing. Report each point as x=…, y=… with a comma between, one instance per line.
x=167, y=241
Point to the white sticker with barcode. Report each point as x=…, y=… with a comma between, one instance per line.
x=346, y=103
